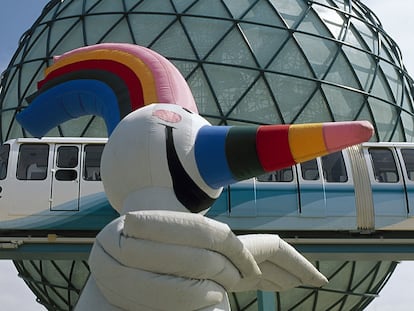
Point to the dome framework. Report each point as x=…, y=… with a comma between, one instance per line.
x=247, y=62
x=255, y=61
x=352, y=286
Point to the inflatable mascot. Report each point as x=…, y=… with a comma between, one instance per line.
x=162, y=168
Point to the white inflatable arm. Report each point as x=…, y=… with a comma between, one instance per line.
x=281, y=265
x=163, y=260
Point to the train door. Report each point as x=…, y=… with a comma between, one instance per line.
x=407, y=164
x=339, y=189
x=4, y=163
x=91, y=190
x=65, y=181
x=311, y=189
x=387, y=185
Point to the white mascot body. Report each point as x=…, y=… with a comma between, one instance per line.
x=162, y=168
x=158, y=256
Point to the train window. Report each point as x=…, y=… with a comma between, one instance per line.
x=310, y=170
x=333, y=167
x=4, y=160
x=66, y=161
x=67, y=157
x=65, y=175
x=32, y=162
x=383, y=163
x=408, y=156
x=283, y=175
x=92, y=169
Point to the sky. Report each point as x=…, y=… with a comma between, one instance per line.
x=16, y=16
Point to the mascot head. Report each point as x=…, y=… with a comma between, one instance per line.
x=149, y=162
x=163, y=156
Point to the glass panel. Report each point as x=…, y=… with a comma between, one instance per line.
x=96, y=128
x=320, y=53
x=394, y=80
x=97, y=25
x=310, y=170
x=32, y=162
x=60, y=40
x=75, y=127
x=384, y=116
x=283, y=175
x=67, y=157
x=291, y=60
x=343, y=103
x=26, y=74
x=363, y=64
x=229, y=83
x=367, y=34
x=264, y=41
x=107, y=6
x=342, y=73
x=257, y=105
x=157, y=6
x=408, y=156
x=407, y=102
x=312, y=24
x=92, y=169
x=398, y=134
x=291, y=11
x=383, y=164
x=182, y=5
x=408, y=125
x=205, y=33
x=7, y=118
x=211, y=8
x=4, y=160
x=262, y=11
x=333, y=167
x=66, y=175
x=381, y=87
x=233, y=50
x=145, y=30
x=174, y=43
x=315, y=110
x=203, y=94
x=290, y=103
x=332, y=19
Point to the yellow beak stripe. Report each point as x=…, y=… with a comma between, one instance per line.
x=306, y=141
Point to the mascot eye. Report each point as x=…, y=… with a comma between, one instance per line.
x=167, y=115
x=187, y=110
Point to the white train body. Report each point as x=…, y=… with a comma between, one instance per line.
x=52, y=185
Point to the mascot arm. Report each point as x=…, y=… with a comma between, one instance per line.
x=166, y=260
x=281, y=265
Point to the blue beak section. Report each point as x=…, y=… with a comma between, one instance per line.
x=210, y=154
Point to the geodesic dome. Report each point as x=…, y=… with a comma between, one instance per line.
x=247, y=62
x=352, y=285
x=252, y=61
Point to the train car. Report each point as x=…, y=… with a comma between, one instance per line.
x=364, y=188
x=53, y=186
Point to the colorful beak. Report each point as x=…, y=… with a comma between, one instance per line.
x=228, y=154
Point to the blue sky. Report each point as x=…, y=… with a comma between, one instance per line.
x=16, y=16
